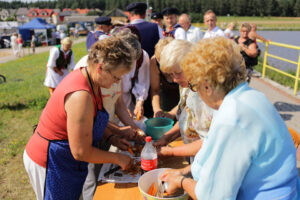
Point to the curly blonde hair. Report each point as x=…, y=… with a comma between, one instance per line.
x=112, y=52
x=217, y=61
x=160, y=45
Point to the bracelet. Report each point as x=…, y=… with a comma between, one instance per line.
x=181, y=182
x=108, y=138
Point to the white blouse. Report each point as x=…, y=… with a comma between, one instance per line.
x=141, y=87
x=214, y=33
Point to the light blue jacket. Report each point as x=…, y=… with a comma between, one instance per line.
x=248, y=153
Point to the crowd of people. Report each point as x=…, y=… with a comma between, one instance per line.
x=238, y=145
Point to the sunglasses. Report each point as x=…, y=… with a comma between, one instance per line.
x=192, y=87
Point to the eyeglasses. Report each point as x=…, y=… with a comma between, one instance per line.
x=116, y=79
x=192, y=87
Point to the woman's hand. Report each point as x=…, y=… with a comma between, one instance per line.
x=161, y=142
x=132, y=133
x=129, y=112
x=165, y=151
x=58, y=71
x=169, y=115
x=139, y=136
x=161, y=113
x=139, y=110
x=176, y=179
x=61, y=73
x=119, y=142
x=128, y=132
x=243, y=47
x=124, y=161
x=173, y=178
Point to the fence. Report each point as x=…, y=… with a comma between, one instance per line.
x=267, y=66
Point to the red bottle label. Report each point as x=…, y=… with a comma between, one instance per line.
x=148, y=165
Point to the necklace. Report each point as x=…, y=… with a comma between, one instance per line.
x=99, y=91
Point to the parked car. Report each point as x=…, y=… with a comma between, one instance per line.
x=89, y=26
x=5, y=41
x=82, y=27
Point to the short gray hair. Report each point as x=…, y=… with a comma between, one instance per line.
x=172, y=54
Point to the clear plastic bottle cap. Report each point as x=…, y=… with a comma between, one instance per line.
x=148, y=139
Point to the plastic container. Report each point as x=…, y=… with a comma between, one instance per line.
x=150, y=177
x=156, y=127
x=148, y=156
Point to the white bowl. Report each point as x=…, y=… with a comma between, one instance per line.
x=150, y=177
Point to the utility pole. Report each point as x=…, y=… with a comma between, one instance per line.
x=147, y=14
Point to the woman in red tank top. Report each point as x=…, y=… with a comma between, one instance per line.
x=73, y=122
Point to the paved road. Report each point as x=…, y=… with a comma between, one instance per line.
x=287, y=104
x=7, y=54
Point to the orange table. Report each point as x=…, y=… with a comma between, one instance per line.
x=129, y=191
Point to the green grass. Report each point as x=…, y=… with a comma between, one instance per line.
x=277, y=77
x=248, y=18
x=263, y=23
x=22, y=99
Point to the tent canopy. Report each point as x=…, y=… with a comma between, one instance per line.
x=35, y=23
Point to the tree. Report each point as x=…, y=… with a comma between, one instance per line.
x=297, y=8
x=75, y=5
x=221, y=7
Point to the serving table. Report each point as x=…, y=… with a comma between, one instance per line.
x=130, y=191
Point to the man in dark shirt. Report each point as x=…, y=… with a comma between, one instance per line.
x=150, y=32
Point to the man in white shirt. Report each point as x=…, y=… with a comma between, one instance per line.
x=210, y=20
x=193, y=34
x=136, y=84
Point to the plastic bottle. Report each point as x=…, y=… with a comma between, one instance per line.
x=148, y=156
